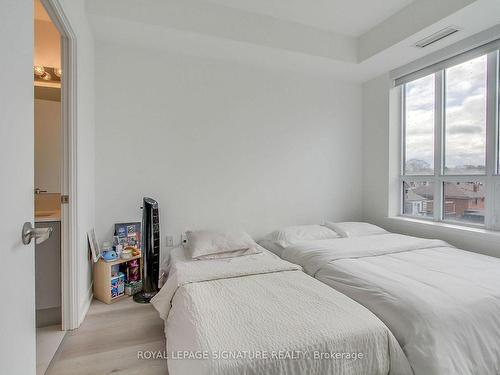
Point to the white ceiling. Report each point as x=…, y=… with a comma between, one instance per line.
x=351, y=18
x=274, y=33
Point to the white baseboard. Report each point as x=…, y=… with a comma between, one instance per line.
x=85, y=304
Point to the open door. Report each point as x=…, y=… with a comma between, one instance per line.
x=17, y=277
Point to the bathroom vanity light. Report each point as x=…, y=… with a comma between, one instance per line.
x=46, y=73
x=39, y=70
x=46, y=76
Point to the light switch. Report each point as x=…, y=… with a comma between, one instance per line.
x=170, y=241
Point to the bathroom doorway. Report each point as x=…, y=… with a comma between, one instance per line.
x=17, y=215
x=48, y=185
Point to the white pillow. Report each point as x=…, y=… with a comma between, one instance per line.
x=355, y=229
x=300, y=233
x=205, y=244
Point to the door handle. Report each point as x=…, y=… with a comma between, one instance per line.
x=40, y=234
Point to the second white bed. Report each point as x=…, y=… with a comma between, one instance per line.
x=441, y=303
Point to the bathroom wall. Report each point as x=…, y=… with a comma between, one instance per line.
x=48, y=277
x=47, y=44
x=48, y=145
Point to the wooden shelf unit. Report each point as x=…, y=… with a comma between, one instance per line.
x=102, y=278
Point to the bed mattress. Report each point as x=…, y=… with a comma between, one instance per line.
x=441, y=303
x=258, y=314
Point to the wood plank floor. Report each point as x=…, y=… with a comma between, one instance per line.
x=48, y=340
x=108, y=340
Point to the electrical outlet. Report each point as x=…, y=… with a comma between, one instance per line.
x=170, y=241
x=184, y=239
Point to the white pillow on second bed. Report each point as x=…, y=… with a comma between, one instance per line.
x=205, y=244
x=280, y=239
x=300, y=233
x=355, y=229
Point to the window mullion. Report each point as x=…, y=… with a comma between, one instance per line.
x=438, y=144
x=402, y=168
x=491, y=140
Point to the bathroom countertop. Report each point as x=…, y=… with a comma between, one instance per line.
x=46, y=216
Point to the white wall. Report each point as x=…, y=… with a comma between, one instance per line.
x=75, y=11
x=375, y=147
x=380, y=175
x=48, y=145
x=222, y=145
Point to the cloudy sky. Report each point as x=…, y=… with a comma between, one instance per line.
x=465, y=115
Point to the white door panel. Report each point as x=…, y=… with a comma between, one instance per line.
x=17, y=300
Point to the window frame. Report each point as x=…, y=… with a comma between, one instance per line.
x=490, y=179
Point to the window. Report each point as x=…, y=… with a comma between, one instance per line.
x=450, y=141
x=465, y=118
x=464, y=202
x=419, y=120
x=418, y=198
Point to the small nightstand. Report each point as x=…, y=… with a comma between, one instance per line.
x=102, y=279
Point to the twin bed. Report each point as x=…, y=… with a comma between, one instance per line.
x=377, y=303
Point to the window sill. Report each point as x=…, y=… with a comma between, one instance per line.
x=445, y=227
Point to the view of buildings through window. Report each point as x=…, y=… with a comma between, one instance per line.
x=463, y=201
x=444, y=180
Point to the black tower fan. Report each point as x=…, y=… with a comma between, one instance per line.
x=150, y=251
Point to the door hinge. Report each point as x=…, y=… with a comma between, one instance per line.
x=64, y=199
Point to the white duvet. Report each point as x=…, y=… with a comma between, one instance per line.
x=258, y=314
x=442, y=304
